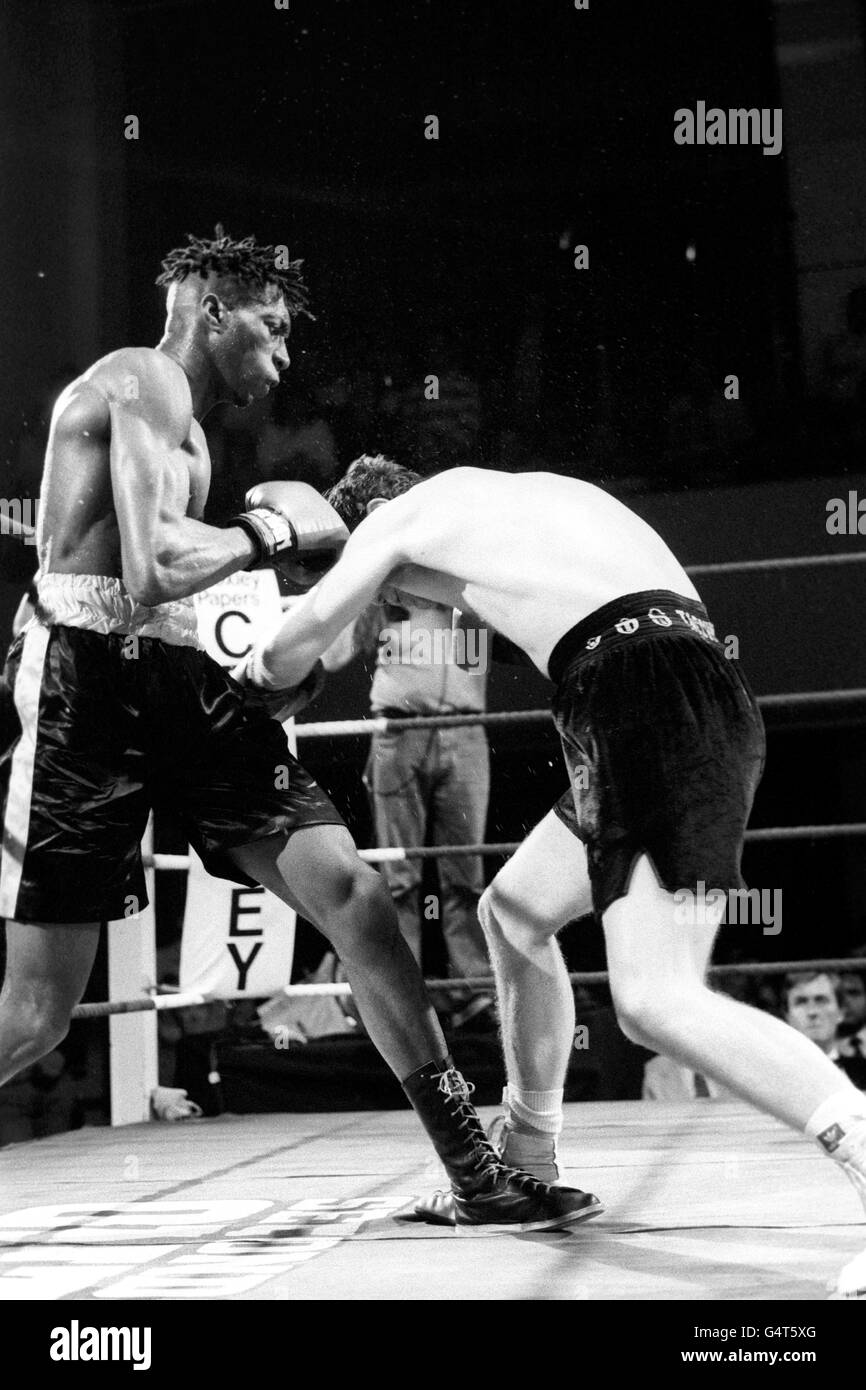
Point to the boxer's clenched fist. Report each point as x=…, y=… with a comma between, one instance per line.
x=280, y=704
x=293, y=529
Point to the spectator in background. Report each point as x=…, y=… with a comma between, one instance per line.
x=852, y=997
x=812, y=1007
x=429, y=785
x=665, y=1079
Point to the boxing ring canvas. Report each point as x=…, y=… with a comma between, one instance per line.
x=705, y=1201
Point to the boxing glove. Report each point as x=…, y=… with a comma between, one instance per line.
x=279, y=704
x=293, y=529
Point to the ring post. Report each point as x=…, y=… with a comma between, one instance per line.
x=133, y=1060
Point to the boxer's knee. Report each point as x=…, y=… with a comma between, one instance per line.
x=649, y=1013
x=362, y=913
x=635, y=1016
x=34, y=1023
x=508, y=920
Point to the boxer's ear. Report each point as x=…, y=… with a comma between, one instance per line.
x=213, y=311
x=375, y=502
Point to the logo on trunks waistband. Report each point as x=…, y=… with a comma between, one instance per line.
x=831, y=1138
x=628, y=626
x=702, y=626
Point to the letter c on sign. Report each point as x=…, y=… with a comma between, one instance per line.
x=220, y=640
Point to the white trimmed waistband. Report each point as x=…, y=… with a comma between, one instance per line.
x=100, y=603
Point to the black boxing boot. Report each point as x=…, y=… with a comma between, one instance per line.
x=485, y=1196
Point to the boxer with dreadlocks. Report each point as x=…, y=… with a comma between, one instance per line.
x=118, y=708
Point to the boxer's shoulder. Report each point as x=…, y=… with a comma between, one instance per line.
x=441, y=502
x=148, y=383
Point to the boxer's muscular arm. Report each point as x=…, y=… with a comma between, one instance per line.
x=155, y=446
x=381, y=543
x=341, y=650
x=360, y=636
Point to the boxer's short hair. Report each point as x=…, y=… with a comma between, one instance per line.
x=371, y=475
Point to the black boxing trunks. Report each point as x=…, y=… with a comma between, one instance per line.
x=109, y=724
x=663, y=741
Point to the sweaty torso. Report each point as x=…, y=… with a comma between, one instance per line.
x=531, y=553
x=78, y=531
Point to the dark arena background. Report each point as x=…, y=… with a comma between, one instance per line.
x=496, y=198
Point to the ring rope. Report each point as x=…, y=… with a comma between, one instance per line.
x=847, y=557
x=187, y=999
x=346, y=727
x=813, y=697
x=423, y=721
x=397, y=854
x=806, y=832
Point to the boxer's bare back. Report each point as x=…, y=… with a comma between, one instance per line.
x=531, y=554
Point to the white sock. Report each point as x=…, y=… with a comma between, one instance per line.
x=540, y=1109
x=835, y=1117
x=839, y=1126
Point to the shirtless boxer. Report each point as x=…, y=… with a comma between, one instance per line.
x=664, y=746
x=119, y=709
